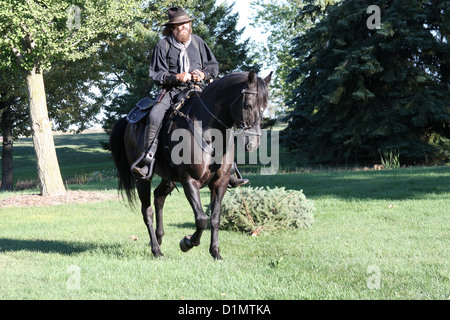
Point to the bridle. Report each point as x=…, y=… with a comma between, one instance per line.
x=244, y=128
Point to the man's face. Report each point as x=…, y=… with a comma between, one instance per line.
x=182, y=32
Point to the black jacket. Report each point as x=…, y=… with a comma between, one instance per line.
x=164, y=64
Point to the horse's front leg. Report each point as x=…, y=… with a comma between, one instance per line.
x=218, y=189
x=143, y=188
x=192, y=192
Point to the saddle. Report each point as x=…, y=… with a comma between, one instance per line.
x=143, y=107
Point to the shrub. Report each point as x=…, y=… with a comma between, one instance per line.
x=256, y=210
x=390, y=159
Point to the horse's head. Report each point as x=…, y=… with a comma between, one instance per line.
x=248, y=109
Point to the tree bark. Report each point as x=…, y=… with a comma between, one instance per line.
x=50, y=179
x=7, y=151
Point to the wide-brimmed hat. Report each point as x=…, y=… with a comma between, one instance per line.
x=177, y=15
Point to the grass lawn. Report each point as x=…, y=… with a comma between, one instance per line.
x=377, y=235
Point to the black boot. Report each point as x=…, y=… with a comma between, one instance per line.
x=142, y=168
x=236, y=178
x=235, y=182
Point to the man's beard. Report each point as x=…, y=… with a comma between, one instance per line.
x=183, y=36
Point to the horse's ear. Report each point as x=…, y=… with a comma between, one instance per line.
x=268, y=78
x=251, y=77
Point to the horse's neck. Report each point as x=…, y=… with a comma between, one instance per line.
x=225, y=96
x=215, y=112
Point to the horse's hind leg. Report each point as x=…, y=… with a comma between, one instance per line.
x=160, y=194
x=143, y=188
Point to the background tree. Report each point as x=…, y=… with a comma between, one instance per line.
x=280, y=21
x=33, y=36
x=70, y=105
x=367, y=90
x=13, y=120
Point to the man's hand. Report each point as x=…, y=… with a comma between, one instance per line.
x=184, y=77
x=198, y=75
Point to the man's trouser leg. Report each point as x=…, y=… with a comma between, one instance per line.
x=143, y=166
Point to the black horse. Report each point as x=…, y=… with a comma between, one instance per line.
x=238, y=98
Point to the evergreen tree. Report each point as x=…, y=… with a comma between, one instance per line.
x=279, y=19
x=367, y=91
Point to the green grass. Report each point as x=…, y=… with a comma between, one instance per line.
x=78, y=155
x=395, y=222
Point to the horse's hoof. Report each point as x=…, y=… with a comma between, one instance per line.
x=185, y=244
x=215, y=254
x=158, y=254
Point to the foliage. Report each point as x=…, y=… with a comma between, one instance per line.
x=50, y=36
x=256, y=210
x=365, y=89
x=68, y=83
x=13, y=103
x=280, y=21
x=390, y=159
x=34, y=36
x=37, y=33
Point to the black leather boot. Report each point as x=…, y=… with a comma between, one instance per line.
x=236, y=178
x=142, y=168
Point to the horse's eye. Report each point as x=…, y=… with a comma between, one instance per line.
x=247, y=106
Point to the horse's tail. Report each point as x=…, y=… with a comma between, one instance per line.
x=117, y=145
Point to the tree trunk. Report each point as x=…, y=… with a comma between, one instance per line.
x=50, y=179
x=7, y=151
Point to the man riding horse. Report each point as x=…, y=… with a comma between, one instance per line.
x=177, y=59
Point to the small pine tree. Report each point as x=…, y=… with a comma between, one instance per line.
x=256, y=210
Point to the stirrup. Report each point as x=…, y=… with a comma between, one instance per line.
x=140, y=173
x=145, y=161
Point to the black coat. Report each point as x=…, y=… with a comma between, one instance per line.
x=165, y=65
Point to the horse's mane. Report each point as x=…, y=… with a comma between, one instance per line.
x=229, y=79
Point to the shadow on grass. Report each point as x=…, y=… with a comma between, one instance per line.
x=185, y=225
x=47, y=246
x=407, y=183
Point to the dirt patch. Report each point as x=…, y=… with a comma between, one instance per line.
x=30, y=200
